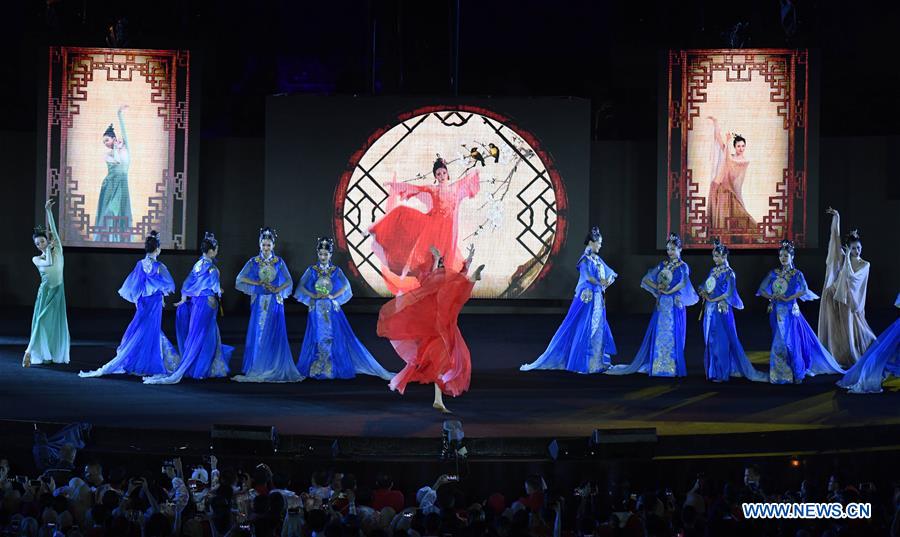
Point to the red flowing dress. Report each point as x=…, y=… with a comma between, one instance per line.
x=421, y=325
x=403, y=237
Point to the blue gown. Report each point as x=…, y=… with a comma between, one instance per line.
x=662, y=352
x=267, y=355
x=724, y=356
x=796, y=351
x=881, y=360
x=144, y=350
x=330, y=348
x=584, y=342
x=202, y=353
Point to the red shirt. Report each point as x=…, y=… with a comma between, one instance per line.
x=382, y=498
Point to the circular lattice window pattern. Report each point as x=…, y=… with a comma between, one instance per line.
x=515, y=220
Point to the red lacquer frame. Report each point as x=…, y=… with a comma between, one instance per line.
x=689, y=74
x=168, y=71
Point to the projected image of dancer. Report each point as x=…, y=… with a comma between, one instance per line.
x=584, y=342
x=330, y=348
x=724, y=356
x=879, y=362
x=842, y=316
x=796, y=351
x=422, y=327
x=266, y=278
x=662, y=352
x=726, y=202
x=403, y=236
x=49, y=342
x=202, y=353
x=114, y=206
x=144, y=349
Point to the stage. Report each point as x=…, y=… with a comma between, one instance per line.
x=503, y=403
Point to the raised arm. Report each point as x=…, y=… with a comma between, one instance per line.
x=468, y=261
x=123, y=134
x=835, y=257
x=55, y=247
x=720, y=137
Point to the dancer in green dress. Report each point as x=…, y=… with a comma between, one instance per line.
x=113, y=219
x=49, y=343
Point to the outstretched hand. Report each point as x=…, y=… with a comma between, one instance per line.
x=49, y=204
x=831, y=211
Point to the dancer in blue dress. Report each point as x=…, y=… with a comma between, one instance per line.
x=662, y=351
x=330, y=348
x=202, y=353
x=796, y=351
x=881, y=360
x=724, y=356
x=144, y=350
x=266, y=278
x=584, y=342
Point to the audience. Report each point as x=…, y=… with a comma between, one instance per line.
x=108, y=502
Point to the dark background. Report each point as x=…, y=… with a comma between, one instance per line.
x=603, y=51
x=309, y=142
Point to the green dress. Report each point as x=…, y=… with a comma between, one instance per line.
x=114, y=206
x=49, y=341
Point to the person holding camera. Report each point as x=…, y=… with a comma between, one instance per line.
x=178, y=495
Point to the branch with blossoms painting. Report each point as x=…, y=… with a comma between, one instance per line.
x=498, y=196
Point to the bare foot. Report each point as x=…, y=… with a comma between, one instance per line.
x=26, y=360
x=477, y=274
x=442, y=408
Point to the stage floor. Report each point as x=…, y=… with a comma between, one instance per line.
x=503, y=402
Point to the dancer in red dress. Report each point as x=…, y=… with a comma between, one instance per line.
x=403, y=236
x=421, y=325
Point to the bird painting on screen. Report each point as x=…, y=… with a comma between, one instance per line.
x=476, y=155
